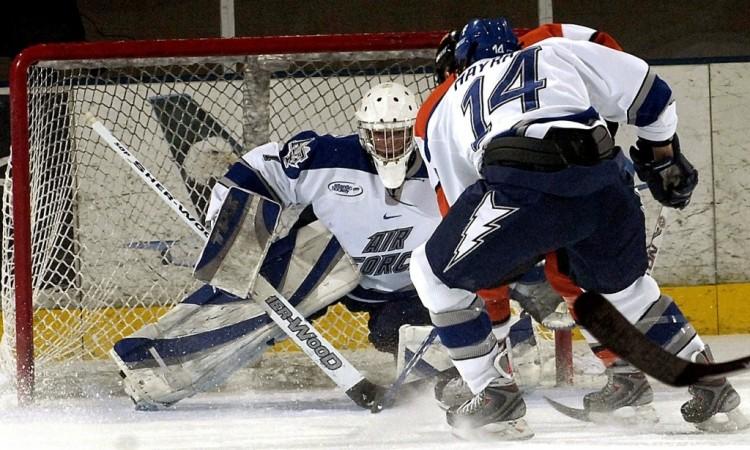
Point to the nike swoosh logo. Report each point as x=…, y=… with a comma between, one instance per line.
x=386, y=216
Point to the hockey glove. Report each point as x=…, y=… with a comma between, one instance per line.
x=670, y=180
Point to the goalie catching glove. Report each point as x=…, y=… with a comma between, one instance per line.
x=670, y=180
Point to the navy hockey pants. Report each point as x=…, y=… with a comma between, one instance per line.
x=493, y=230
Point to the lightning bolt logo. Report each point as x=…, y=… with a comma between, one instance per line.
x=485, y=219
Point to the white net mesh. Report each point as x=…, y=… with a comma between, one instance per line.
x=108, y=256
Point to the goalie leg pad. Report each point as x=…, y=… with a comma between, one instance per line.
x=194, y=347
x=211, y=334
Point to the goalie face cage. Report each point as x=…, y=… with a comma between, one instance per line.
x=90, y=254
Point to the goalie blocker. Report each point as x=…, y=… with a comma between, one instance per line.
x=211, y=333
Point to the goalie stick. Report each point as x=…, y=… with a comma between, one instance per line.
x=362, y=391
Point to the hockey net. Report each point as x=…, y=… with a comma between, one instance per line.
x=88, y=250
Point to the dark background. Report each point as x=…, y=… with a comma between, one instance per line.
x=650, y=29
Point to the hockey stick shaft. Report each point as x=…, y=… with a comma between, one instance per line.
x=146, y=176
x=657, y=236
x=389, y=396
x=340, y=370
x=615, y=332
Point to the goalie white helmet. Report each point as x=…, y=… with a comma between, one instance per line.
x=386, y=130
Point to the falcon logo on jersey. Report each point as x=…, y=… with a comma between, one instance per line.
x=485, y=219
x=297, y=152
x=345, y=188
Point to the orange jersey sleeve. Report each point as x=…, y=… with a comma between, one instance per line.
x=606, y=40
x=425, y=111
x=559, y=30
x=442, y=201
x=561, y=283
x=540, y=33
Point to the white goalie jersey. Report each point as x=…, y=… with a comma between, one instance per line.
x=378, y=228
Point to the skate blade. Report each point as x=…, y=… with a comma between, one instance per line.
x=512, y=430
x=730, y=422
x=629, y=416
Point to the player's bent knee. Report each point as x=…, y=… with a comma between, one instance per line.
x=434, y=294
x=633, y=301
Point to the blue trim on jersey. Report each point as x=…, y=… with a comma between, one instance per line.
x=426, y=146
x=583, y=117
x=381, y=296
x=247, y=178
x=467, y=333
x=421, y=172
x=654, y=104
x=135, y=350
x=326, y=152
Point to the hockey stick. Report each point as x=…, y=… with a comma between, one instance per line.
x=339, y=369
x=652, y=250
x=389, y=395
x=615, y=332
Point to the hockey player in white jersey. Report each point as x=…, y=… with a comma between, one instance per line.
x=519, y=144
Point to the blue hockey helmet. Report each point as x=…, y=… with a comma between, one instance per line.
x=484, y=38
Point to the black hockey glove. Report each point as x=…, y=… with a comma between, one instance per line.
x=671, y=180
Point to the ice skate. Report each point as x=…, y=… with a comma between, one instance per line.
x=625, y=399
x=714, y=407
x=451, y=390
x=496, y=413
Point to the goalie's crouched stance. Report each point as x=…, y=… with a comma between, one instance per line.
x=211, y=334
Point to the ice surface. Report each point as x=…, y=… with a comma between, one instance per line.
x=326, y=419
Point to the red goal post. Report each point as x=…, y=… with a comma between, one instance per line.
x=77, y=269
